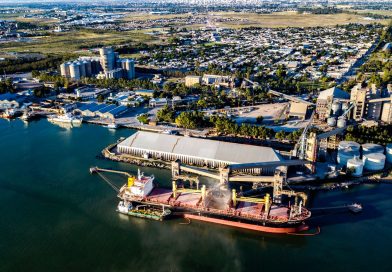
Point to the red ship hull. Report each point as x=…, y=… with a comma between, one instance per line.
x=280, y=230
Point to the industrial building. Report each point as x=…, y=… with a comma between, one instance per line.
x=104, y=111
x=192, y=80
x=196, y=151
x=325, y=99
x=298, y=110
x=11, y=100
x=364, y=102
x=369, y=103
x=108, y=65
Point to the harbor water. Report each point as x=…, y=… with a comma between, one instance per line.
x=55, y=216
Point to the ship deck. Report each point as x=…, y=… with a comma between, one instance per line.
x=193, y=202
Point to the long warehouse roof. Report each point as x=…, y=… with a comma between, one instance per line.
x=201, y=148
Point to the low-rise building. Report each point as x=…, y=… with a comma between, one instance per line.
x=148, y=93
x=158, y=102
x=192, y=80
x=10, y=100
x=325, y=100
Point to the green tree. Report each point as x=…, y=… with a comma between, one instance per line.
x=143, y=118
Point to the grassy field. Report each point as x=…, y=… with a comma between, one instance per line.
x=378, y=12
x=69, y=42
x=18, y=17
x=290, y=19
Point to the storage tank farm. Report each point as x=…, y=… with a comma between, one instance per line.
x=373, y=157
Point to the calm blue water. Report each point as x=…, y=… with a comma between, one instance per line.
x=55, y=216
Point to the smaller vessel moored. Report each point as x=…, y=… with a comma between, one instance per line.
x=27, y=116
x=143, y=211
x=65, y=118
x=112, y=125
x=10, y=113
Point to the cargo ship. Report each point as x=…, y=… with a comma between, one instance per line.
x=141, y=198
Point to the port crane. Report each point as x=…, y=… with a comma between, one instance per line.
x=277, y=181
x=300, y=149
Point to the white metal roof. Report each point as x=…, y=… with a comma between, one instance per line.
x=335, y=92
x=201, y=148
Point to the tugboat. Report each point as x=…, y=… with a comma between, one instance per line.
x=143, y=211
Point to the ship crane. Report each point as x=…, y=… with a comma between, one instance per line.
x=302, y=140
x=277, y=181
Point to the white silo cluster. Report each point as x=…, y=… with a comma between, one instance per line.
x=337, y=109
x=80, y=68
x=108, y=65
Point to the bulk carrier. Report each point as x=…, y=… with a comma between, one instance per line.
x=141, y=198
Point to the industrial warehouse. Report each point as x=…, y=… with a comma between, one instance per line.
x=196, y=151
x=101, y=110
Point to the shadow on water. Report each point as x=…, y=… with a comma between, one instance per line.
x=369, y=196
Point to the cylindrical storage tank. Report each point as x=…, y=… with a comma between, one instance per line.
x=349, y=145
x=372, y=148
x=96, y=67
x=130, y=68
x=342, y=122
x=389, y=153
x=331, y=121
x=87, y=65
x=64, y=69
x=345, y=106
x=74, y=71
x=336, y=107
x=82, y=69
x=345, y=155
x=356, y=165
x=374, y=161
x=107, y=58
